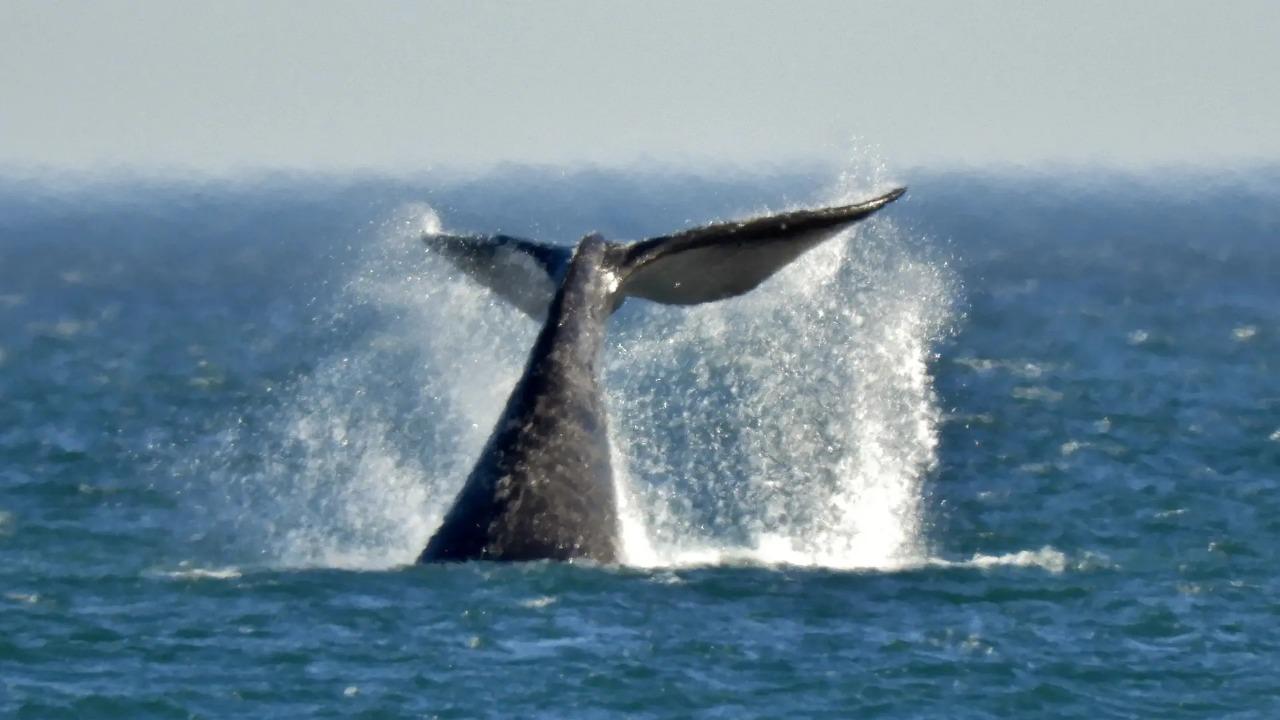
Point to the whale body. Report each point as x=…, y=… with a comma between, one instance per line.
x=543, y=487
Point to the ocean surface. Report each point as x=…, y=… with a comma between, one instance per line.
x=1011, y=449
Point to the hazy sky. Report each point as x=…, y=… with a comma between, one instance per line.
x=402, y=86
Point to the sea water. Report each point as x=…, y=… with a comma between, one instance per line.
x=1009, y=449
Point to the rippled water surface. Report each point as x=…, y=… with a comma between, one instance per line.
x=1010, y=450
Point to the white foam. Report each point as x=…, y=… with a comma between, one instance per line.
x=198, y=573
x=1046, y=558
x=1021, y=368
x=1244, y=333
x=1036, y=392
x=780, y=552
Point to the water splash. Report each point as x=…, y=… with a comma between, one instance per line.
x=792, y=425
x=795, y=424
x=357, y=464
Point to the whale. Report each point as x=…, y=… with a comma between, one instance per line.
x=543, y=487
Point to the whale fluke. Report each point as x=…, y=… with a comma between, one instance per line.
x=724, y=260
x=543, y=487
x=523, y=272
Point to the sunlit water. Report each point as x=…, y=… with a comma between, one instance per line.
x=1010, y=449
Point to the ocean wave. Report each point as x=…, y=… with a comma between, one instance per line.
x=199, y=573
x=778, y=552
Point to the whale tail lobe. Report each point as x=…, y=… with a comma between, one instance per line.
x=702, y=264
x=725, y=260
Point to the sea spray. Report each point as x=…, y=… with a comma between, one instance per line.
x=794, y=424
x=356, y=466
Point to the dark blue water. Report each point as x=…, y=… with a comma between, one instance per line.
x=1011, y=451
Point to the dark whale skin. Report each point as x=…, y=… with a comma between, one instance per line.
x=543, y=488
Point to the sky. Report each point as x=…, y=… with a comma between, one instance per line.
x=402, y=87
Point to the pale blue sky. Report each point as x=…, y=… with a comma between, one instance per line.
x=399, y=86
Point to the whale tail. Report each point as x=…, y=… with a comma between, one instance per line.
x=703, y=264
x=543, y=486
